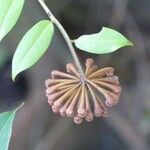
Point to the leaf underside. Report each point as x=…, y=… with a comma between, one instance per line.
x=106, y=41
x=10, y=11
x=6, y=123
x=32, y=46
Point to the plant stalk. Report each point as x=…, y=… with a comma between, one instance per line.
x=66, y=37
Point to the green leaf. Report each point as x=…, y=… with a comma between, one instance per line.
x=6, y=123
x=10, y=11
x=106, y=41
x=33, y=45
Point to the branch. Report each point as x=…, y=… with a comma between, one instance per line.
x=65, y=35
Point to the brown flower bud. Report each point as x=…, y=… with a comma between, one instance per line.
x=70, y=96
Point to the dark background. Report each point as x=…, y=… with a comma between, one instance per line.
x=36, y=127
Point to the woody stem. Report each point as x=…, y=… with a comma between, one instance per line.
x=65, y=35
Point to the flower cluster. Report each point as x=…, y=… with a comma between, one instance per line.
x=82, y=97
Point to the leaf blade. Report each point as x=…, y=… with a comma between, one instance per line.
x=10, y=11
x=106, y=41
x=32, y=46
x=6, y=123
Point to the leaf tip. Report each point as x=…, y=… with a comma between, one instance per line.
x=1, y=37
x=19, y=107
x=130, y=43
x=13, y=76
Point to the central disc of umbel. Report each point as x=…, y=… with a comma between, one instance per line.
x=71, y=97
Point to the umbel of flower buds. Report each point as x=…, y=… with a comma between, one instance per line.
x=81, y=99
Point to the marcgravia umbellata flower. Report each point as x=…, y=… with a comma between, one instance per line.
x=82, y=98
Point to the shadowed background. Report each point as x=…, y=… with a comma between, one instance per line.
x=36, y=127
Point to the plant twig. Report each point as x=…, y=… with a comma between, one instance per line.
x=65, y=35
